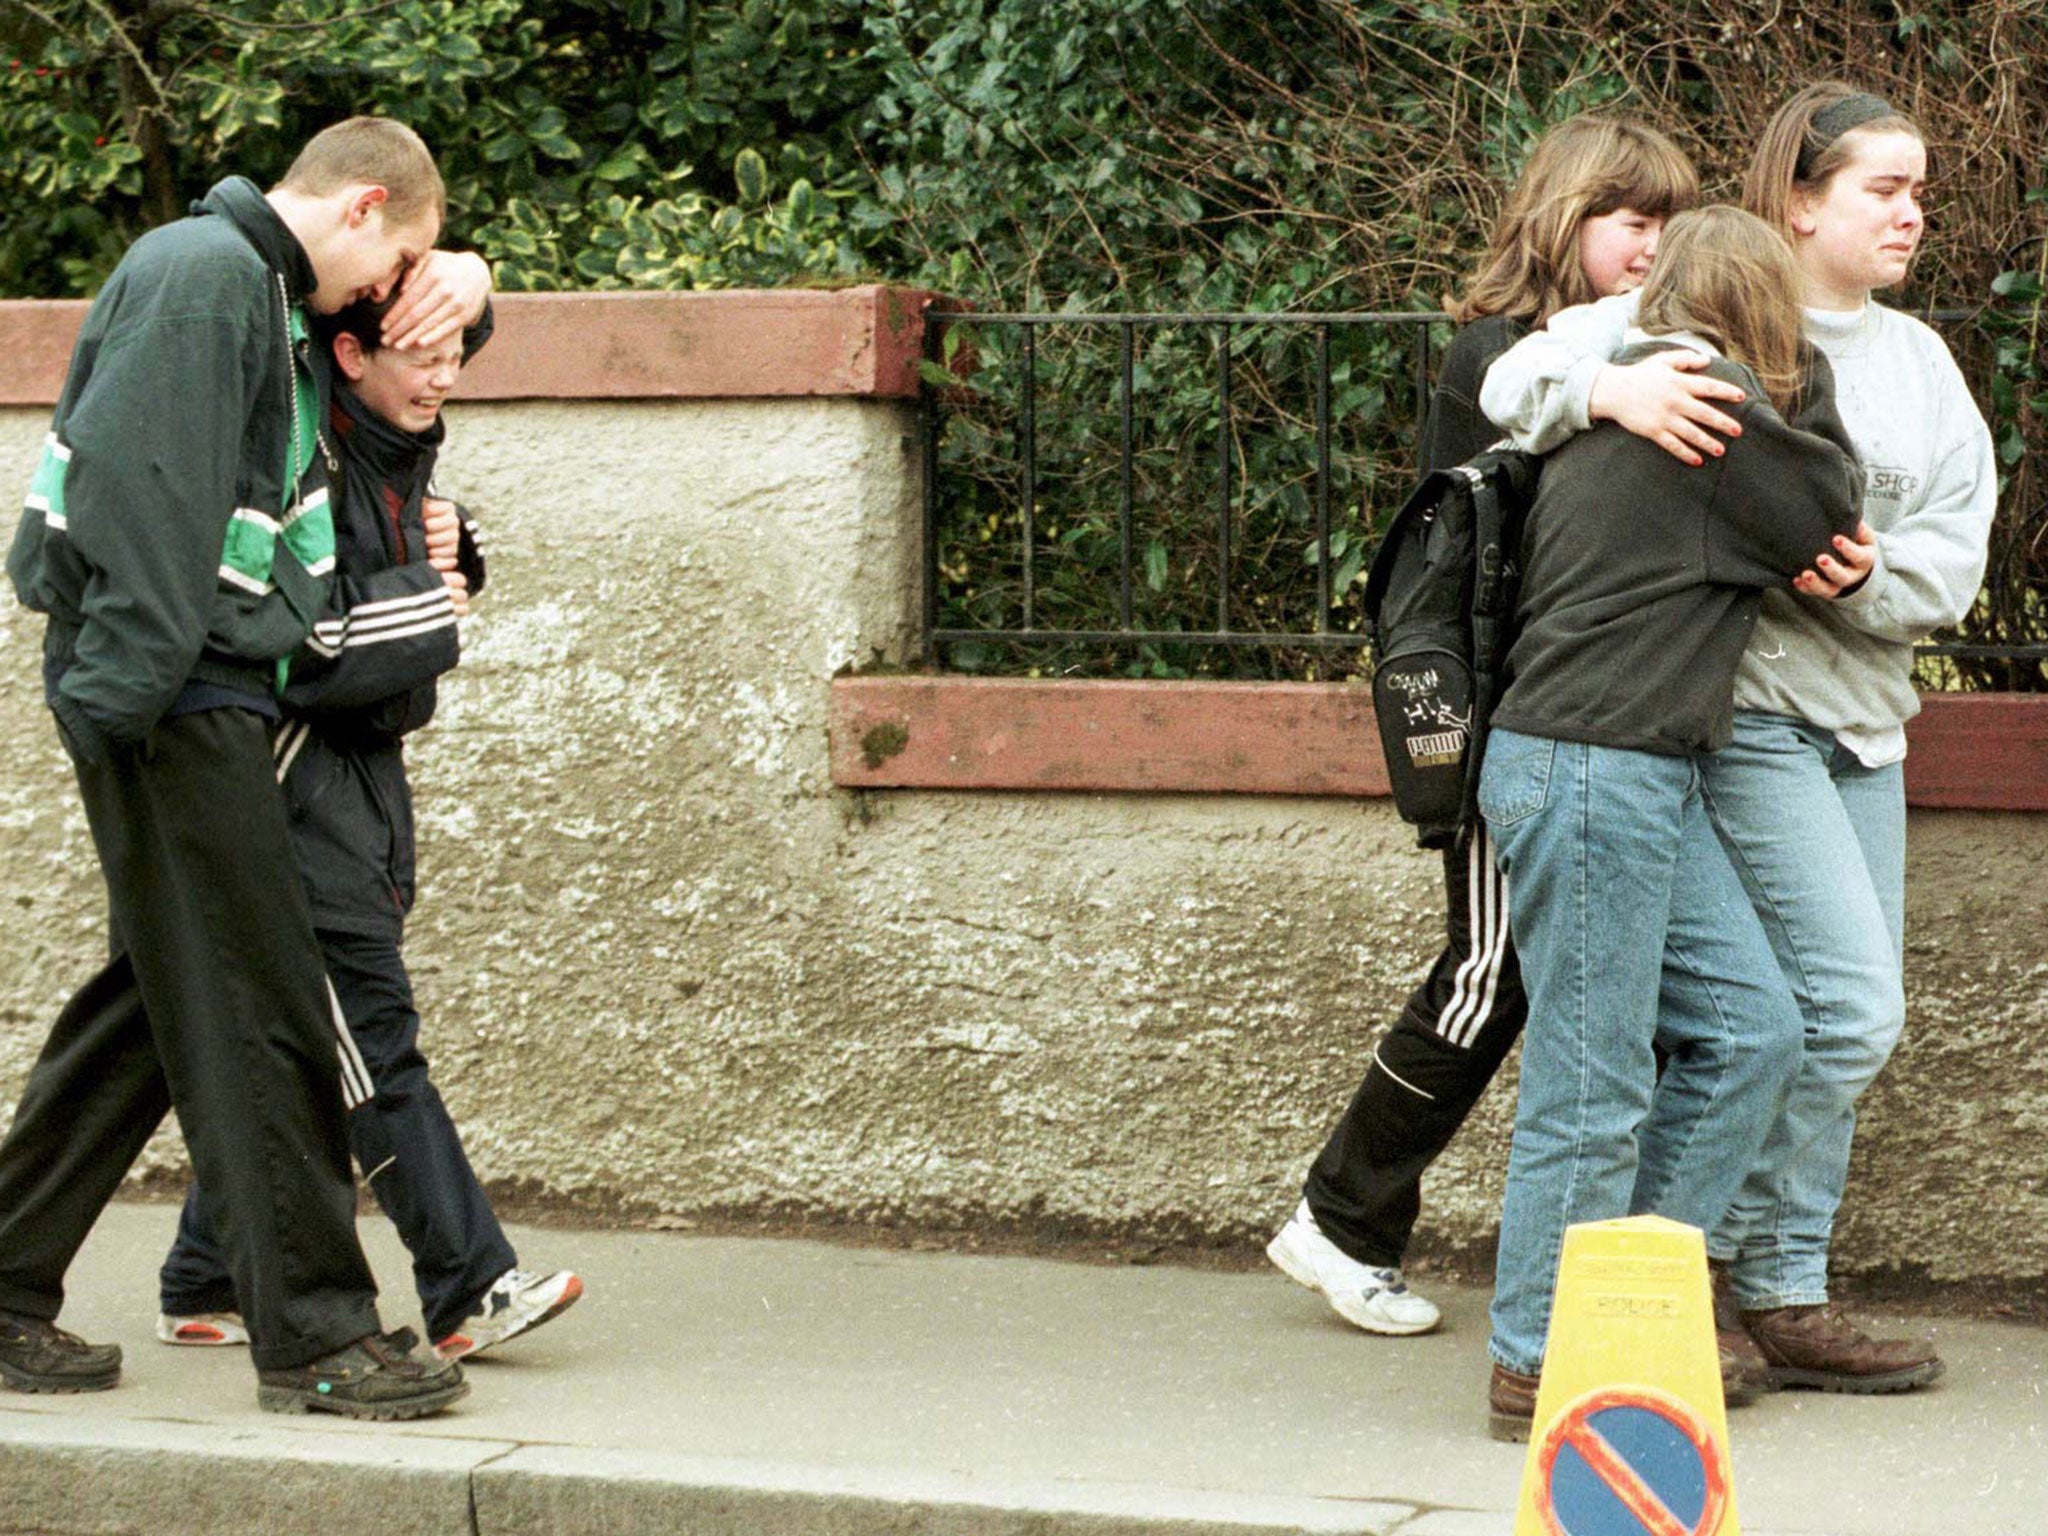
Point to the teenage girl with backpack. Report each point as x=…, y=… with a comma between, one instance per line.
x=1581, y=222
x=1642, y=580
x=1810, y=797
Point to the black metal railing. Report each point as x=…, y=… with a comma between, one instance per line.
x=1331, y=631
x=1028, y=627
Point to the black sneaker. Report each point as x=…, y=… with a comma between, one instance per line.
x=38, y=1356
x=377, y=1377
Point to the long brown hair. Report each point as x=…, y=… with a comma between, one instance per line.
x=1584, y=167
x=1728, y=277
x=1796, y=154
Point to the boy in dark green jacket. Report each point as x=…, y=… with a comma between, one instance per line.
x=179, y=539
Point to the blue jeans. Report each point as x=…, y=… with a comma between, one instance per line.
x=1634, y=932
x=1819, y=841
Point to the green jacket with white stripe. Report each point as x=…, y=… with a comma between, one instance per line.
x=178, y=528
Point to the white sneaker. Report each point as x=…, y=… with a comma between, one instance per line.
x=207, y=1330
x=517, y=1300
x=1376, y=1300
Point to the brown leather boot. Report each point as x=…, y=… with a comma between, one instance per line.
x=1510, y=1404
x=1745, y=1373
x=1819, y=1347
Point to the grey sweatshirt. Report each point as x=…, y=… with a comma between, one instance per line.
x=1931, y=489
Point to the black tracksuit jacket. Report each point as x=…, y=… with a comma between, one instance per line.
x=366, y=678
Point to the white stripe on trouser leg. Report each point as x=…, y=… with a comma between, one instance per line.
x=1482, y=978
x=1478, y=978
x=286, y=748
x=1503, y=944
x=356, y=1088
x=1381, y=1062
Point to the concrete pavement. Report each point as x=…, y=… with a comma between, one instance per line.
x=750, y=1385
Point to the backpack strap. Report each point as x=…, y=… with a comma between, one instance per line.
x=1504, y=485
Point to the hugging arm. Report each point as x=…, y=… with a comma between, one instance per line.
x=1558, y=381
x=1784, y=495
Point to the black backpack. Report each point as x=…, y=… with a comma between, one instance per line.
x=1441, y=601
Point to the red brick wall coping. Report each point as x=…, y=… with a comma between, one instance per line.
x=1013, y=733
x=1969, y=751
x=733, y=344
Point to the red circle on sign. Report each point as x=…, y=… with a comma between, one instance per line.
x=1573, y=1427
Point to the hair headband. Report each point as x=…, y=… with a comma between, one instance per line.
x=1834, y=120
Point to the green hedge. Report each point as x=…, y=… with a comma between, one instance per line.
x=1195, y=155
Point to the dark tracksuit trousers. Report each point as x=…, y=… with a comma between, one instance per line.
x=214, y=1004
x=1428, y=1070
x=404, y=1139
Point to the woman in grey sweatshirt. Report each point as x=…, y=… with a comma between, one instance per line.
x=1809, y=798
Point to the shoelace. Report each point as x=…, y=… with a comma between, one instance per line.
x=393, y=1351
x=1833, y=1313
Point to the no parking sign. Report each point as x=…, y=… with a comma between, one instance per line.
x=1630, y=1435
x=1630, y=1461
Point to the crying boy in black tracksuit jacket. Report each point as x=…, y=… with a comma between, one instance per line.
x=407, y=563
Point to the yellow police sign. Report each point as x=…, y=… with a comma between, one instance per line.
x=1631, y=1434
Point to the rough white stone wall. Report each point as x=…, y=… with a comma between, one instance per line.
x=667, y=968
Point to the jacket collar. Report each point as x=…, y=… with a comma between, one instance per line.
x=237, y=200
x=386, y=451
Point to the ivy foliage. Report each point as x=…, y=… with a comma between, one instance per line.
x=1062, y=155
x=586, y=143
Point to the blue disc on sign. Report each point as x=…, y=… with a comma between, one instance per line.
x=1626, y=1470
